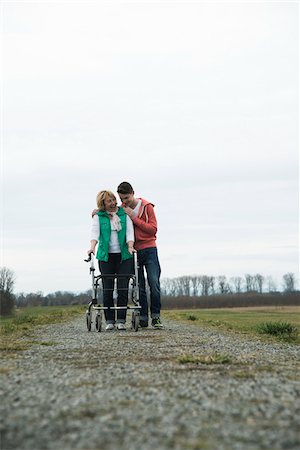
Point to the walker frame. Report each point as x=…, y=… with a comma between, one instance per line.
x=96, y=307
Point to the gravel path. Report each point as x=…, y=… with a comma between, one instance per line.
x=126, y=390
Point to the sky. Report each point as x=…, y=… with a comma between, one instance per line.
x=195, y=103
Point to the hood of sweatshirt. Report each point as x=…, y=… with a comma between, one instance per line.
x=143, y=208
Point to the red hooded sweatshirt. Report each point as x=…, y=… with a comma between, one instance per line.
x=145, y=226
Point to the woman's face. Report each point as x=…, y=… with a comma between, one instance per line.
x=110, y=203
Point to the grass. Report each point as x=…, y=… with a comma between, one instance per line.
x=16, y=331
x=272, y=323
x=282, y=330
x=248, y=321
x=27, y=318
x=215, y=358
x=192, y=317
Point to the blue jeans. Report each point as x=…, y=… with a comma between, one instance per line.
x=148, y=259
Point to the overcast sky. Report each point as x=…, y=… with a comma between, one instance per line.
x=194, y=103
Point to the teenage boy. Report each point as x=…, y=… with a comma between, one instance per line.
x=142, y=214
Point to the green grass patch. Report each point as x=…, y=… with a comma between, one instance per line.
x=28, y=318
x=215, y=358
x=16, y=331
x=243, y=321
x=47, y=343
x=283, y=330
x=242, y=374
x=192, y=317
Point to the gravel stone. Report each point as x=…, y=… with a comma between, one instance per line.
x=127, y=390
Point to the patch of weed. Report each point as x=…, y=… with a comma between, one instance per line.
x=215, y=358
x=17, y=331
x=282, y=330
x=192, y=317
x=47, y=343
x=5, y=370
x=242, y=374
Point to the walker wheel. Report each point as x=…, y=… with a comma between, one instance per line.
x=98, y=322
x=88, y=321
x=135, y=320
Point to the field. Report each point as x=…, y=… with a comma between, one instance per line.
x=17, y=331
x=240, y=320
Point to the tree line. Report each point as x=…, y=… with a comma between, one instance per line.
x=9, y=300
x=58, y=298
x=204, y=285
x=192, y=287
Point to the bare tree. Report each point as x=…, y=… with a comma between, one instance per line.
x=185, y=282
x=169, y=286
x=222, y=284
x=250, y=282
x=7, y=280
x=165, y=286
x=212, y=284
x=271, y=285
x=289, y=282
x=206, y=284
x=7, y=300
x=178, y=286
x=195, y=285
x=34, y=298
x=237, y=283
x=259, y=281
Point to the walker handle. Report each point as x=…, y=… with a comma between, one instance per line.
x=90, y=259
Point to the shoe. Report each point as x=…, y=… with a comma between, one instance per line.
x=143, y=323
x=156, y=323
x=121, y=326
x=109, y=326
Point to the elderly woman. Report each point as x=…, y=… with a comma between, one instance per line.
x=113, y=229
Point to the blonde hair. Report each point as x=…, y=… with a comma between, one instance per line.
x=102, y=196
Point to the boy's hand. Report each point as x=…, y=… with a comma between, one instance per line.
x=129, y=212
x=94, y=212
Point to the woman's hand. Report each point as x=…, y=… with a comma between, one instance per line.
x=92, y=247
x=130, y=248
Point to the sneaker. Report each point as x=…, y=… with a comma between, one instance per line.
x=143, y=323
x=109, y=326
x=156, y=323
x=121, y=326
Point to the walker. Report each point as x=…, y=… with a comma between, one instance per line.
x=96, y=304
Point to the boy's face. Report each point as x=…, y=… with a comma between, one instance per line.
x=127, y=199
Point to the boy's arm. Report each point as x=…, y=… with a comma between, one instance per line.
x=149, y=227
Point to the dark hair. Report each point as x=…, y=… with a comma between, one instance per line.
x=125, y=188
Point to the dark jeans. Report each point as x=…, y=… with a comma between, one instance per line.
x=114, y=266
x=148, y=259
